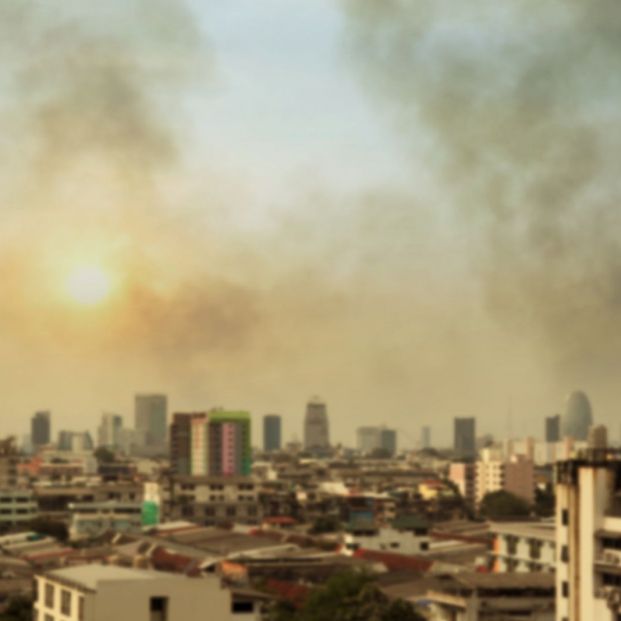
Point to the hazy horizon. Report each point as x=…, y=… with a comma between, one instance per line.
x=405, y=208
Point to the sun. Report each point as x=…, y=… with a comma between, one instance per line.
x=88, y=285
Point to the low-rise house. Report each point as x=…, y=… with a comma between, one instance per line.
x=90, y=519
x=105, y=592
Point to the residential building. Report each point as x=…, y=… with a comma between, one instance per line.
x=588, y=537
x=492, y=597
x=316, y=426
x=229, y=450
x=523, y=547
x=91, y=519
x=40, y=429
x=515, y=475
x=105, y=592
x=17, y=506
x=406, y=535
x=272, y=433
x=9, y=459
x=181, y=441
x=109, y=433
x=553, y=428
x=151, y=412
x=213, y=500
x=463, y=475
x=465, y=438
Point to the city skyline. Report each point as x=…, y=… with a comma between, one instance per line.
x=317, y=245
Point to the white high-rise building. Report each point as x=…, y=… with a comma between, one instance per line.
x=588, y=537
x=515, y=475
x=316, y=426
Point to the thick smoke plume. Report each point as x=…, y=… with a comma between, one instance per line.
x=92, y=119
x=514, y=106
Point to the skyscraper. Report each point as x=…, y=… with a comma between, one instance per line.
x=228, y=451
x=316, y=427
x=465, y=438
x=150, y=420
x=40, y=429
x=109, y=431
x=388, y=441
x=272, y=433
x=578, y=416
x=425, y=438
x=181, y=441
x=553, y=428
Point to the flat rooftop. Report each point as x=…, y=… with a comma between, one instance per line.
x=90, y=576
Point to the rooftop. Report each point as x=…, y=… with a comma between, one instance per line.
x=90, y=576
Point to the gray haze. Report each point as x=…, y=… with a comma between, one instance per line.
x=513, y=106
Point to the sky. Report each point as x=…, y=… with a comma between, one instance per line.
x=406, y=209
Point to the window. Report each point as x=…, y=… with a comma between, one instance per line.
x=424, y=546
x=49, y=595
x=565, y=589
x=231, y=511
x=65, y=602
x=81, y=608
x=565, y=517
x=565, y=554
x=239, y=607
x=159, y=608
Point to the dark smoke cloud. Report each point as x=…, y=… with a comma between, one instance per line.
x=514, y=105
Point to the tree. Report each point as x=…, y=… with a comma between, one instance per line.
x=348, y=596
x=19, y=608
x=545, y=502
x=104, y=455
x=502, y=504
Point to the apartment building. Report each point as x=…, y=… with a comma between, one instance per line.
x=213, y=500
x=522, y=547
x=588, y=537
x=515, y=475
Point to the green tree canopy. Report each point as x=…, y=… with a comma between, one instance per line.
x=349, y=596
x=501, y=504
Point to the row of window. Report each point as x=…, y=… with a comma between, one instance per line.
x=66, y=601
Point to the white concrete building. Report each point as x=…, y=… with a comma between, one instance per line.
x=408, y=535
x=588, y=527
x=89, y=519
x=106, y=592
x=17, y=506
x=522, y=547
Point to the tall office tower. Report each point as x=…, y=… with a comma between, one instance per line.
x=368, y=439
x=272, y=433
x=465, y=438
x=150, y=420
x=588, y=537
x=181, y=441
x=553, y=428
x=425, y=438
x=316, y=427
x=40, y=429
x=109, y=433
x=75, y=441
x=228, y=451
x=388, y=441
x=578, y=416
